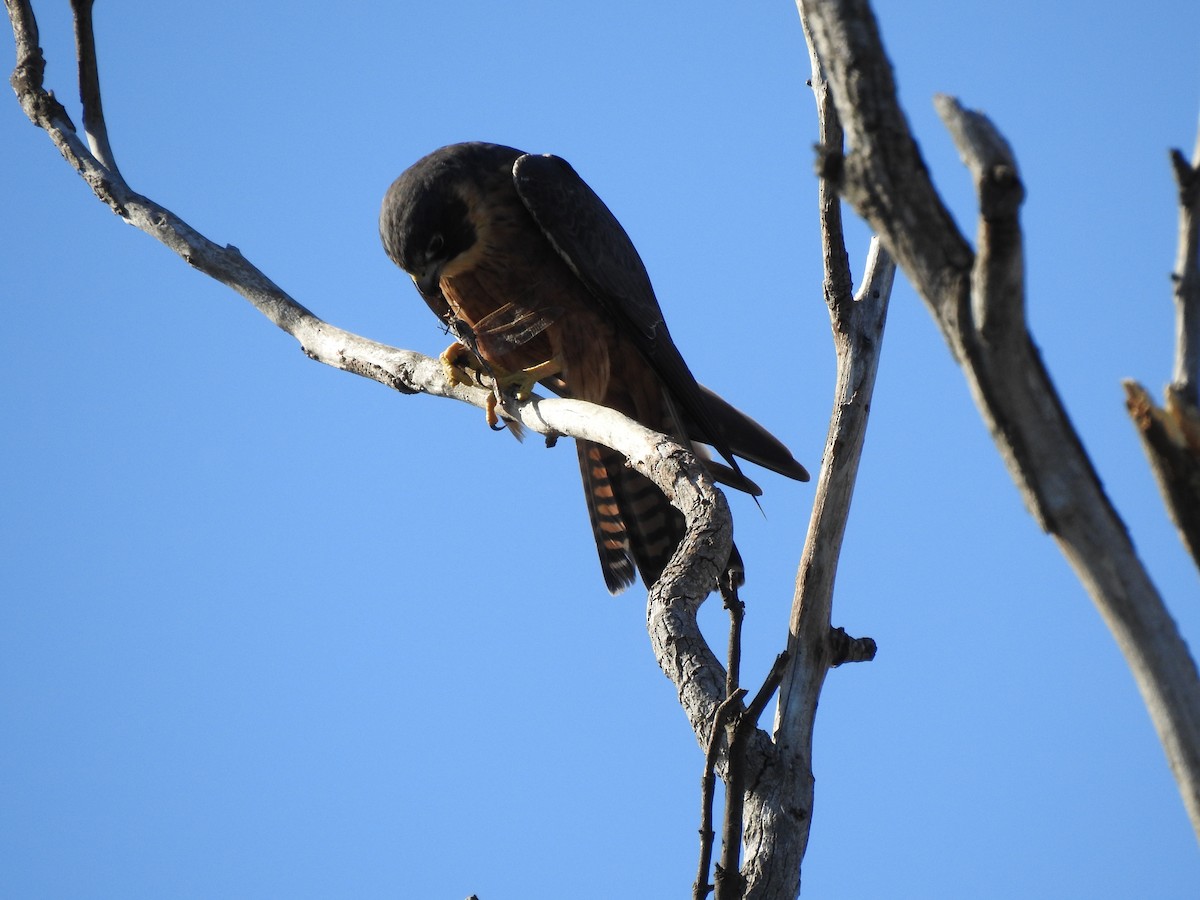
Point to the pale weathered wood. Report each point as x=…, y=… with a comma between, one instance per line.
x=1186, y=374
x=776, y=818
x=1171, y=434
x=673, y=603
x=688, y=578
x=977, y=300
x=779, y=815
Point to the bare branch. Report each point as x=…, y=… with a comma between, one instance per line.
x=1171, y=435
x=701, y=888
x=1171, y=439
x=401, y=370
x=858, y=360
x=39, y=105
x=1186, y=377
x=838, y=283
x=692, y=572
x=779, y=845
x=778, y=805
x=89, y=85
x=884, y=180
x=998, y=275
x=737, y=612
x=1003, y=368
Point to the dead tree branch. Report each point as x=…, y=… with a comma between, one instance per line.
x=701, y=888
x=731, y=880
x=776, y=816
x=779, y=812
x=1171, y=439
x=89, y=85
x=1171, y=434
x=1186, y=377
x=813, y=645
x=977, y=299
x=678, y=643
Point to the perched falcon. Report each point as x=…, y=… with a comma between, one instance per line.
x=540, y=283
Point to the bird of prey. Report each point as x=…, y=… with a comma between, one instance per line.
x=539, y=283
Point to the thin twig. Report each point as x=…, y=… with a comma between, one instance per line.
x=837, y=282
x=730, y=880
x=1186, y=277
x=737, y=612
x=708, y=788
x=770, y=684
x=89, y=85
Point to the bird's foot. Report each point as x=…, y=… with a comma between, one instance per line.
x=460, y=365
x=521, y=382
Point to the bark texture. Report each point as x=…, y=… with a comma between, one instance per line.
x=1171, y=434
x=977, y=299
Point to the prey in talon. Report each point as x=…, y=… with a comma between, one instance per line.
x=497, y=336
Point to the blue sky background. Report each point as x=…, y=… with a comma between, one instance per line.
x=248, y=647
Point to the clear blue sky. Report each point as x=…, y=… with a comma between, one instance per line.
x=248, y=647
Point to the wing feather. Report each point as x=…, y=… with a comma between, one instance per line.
x=588, y=237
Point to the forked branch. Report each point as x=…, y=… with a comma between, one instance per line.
x=779, y=810
x=776, y=822
x=679, y=645
x=977, y=299
x=1171, y=433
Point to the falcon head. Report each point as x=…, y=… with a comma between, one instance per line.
x=428, y=219
x=423, y=228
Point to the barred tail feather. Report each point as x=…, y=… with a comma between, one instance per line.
x=604, y=509
x=655, y=527
x=633, y=524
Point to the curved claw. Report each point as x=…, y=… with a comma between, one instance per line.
x=461, y=366
x=489, y=413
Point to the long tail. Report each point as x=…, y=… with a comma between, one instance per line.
x=748, y=439
x=632, y=522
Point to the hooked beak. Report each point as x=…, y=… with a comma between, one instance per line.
x=429, y=281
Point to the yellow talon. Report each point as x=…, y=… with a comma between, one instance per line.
x=458, y=362
x=461, y=366
x=522, y=382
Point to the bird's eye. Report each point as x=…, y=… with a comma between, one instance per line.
x=435, y=246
